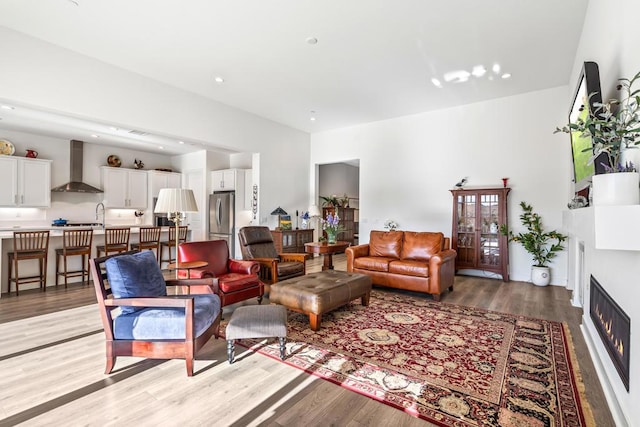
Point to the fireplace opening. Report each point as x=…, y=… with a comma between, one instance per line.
x=613, y=326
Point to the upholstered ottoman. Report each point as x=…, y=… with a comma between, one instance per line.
x=319, y=293
x=257, y=321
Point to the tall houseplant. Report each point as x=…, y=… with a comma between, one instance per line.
x=613, y=127
x=543, y=246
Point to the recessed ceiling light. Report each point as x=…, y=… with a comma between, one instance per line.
x=95, y=136
x=506, y=75
x=113, y=128
x=496, y=68
x=8, y=107
x=181, y=142
x=313, y=119
x=436, y=82
x=312, y=40
x=219, y=80
x=161, y=147
x=458, y=76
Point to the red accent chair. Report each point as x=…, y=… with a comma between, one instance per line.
x=238, y=280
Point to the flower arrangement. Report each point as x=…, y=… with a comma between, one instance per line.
x=390, y=225
x=138, y=214
x=331, y=225
x=305, y=216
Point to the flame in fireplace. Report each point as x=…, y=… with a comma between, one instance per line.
x=618, y=344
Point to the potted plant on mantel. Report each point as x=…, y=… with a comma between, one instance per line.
x=538, y=243
x=613, y=127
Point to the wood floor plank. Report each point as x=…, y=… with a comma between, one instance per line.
x=52, y=362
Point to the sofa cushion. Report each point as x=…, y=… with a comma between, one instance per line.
x=136, y=275
x=421, y=245
x=163, y=323
x=385, y=243
x=373, y=263
x=409, y=268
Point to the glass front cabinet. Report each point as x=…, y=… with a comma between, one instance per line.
x=477, y=216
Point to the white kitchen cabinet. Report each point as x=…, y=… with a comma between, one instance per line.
x=124, y=188
x=224, y=180
x=160, y=179
x=25, y=182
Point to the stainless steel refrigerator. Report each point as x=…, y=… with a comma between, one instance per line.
x=222, y=217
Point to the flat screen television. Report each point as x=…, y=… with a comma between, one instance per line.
x=587, y=94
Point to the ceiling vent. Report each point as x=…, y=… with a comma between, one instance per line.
x=138, y=132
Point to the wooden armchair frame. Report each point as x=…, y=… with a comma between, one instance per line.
x=156, y=349
x=269, y=266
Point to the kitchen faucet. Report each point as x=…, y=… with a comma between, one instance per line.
x=98, y=213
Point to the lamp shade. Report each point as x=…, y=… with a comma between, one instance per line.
x=314, y=210
x=176, y=200
x=279, y=211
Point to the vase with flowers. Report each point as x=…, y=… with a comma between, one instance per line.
x=613, y=126
x=331, y=226
x=390, y=225
x=305, y=217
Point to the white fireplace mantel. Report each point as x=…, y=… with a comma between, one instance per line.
x=604, y=241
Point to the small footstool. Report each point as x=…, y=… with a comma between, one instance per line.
x=318, y=293
x=257, y=321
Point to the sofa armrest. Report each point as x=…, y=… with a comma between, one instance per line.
x=354, y=252
x=244, y=266
x=442, y=270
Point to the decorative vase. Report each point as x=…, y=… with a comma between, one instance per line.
x=305, y=224
x=540, y=276
x=332, y=236
x=615, y=189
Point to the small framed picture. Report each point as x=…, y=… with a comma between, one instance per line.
x=285, y=222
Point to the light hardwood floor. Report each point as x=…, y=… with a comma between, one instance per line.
x=52, y=362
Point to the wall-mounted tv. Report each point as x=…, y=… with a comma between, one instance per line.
x=586, y=96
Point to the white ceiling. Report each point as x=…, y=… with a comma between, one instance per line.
x=374, y=59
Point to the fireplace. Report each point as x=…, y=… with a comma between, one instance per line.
x=613, y=326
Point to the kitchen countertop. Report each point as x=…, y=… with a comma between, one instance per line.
x=57, y=231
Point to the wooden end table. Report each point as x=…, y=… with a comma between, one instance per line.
x=189, y=265
x=326, y=250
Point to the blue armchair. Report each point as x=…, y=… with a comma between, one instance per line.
x=151, y=323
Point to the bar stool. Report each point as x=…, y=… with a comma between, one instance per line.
x=116, y=240
x=149, y=239
x=29, y=245
x=74, y=243
x=170, y=243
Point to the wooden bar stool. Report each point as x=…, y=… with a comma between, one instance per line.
x=29, y=245
x=149, y=239
x=116, y=240
x=170, y=243
x=74, y=243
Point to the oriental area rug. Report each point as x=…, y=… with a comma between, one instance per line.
x=448, y=364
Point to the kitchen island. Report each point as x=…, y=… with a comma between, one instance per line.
x=28, y=268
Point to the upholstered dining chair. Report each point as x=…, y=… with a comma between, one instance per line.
x=238, y=280
x=150, y=323
x=256, y=243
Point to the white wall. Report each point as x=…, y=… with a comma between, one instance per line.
x=610, y=39
x=408, y=164
x=39, y=74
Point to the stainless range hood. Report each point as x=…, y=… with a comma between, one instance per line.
x=75, y=185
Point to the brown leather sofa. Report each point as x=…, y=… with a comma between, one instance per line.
x=414, y=261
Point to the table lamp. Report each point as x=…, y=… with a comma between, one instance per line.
x=176, y=202
x=279, y=211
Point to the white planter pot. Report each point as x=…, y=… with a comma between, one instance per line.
x=615, y=189
x=540, y=276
